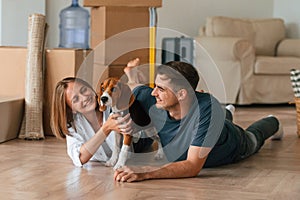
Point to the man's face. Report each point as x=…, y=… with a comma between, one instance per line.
x=165, y=97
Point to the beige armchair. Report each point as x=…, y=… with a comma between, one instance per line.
x=253, y=57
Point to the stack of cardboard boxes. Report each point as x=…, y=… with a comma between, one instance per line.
x=121, y=30
x=12, y=76
x=59, y=63
x=119, y=33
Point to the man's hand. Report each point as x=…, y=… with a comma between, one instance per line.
x=130, y=174
x=181, y=169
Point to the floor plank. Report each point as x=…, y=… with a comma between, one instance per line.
x=42, y=170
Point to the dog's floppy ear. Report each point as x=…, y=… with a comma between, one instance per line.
x=126, y=97
x=102, y=107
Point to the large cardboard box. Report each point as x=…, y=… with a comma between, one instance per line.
x=12, y=93
x=118, y=71
x=122, y=32
x=12, y=68
x=61, y=63
x=11, y=115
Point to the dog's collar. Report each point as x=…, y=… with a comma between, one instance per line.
x=121, y=112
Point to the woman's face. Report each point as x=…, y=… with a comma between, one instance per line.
x=80, y=98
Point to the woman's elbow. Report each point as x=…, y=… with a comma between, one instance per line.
x=84, y=155
x=83, y=159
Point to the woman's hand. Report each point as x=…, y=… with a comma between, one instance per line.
x=116, y=122
x=125, y=126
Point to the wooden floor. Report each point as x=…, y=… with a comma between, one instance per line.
x=42, y=170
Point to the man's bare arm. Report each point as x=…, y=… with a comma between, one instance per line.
x=182, y=169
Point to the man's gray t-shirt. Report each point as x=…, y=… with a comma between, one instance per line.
x=203, y=126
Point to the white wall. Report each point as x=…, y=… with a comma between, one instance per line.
x=0, y=23
x=53, y=8
x=289, y=11
x=187, y=16
x=14, y=20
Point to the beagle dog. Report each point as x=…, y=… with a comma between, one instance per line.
x=117, y=95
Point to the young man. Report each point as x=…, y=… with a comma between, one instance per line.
x=195, y=130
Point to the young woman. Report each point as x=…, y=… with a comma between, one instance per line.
x=76, y=117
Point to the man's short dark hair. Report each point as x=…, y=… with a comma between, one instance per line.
x=177, y=71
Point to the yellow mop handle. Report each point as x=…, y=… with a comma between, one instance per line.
x=152, y=42
x=152, y=57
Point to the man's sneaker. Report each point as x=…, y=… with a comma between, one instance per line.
x=279, y=134
x=231, y=108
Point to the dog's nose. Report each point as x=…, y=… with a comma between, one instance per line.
x=104, y=99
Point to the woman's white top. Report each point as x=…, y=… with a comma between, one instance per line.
x=83, y=133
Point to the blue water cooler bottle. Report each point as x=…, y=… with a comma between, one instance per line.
x=74, y=27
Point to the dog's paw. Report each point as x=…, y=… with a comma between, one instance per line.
x=118, y=165
x=122, y=160
x=159, y=155
x=111, y=162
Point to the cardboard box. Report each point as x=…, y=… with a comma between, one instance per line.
x=118, y=71
x=12, y=68
x=122, y=32
x=61, y=63
x=12, y=91
x=11, y=115
x=127, y=3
